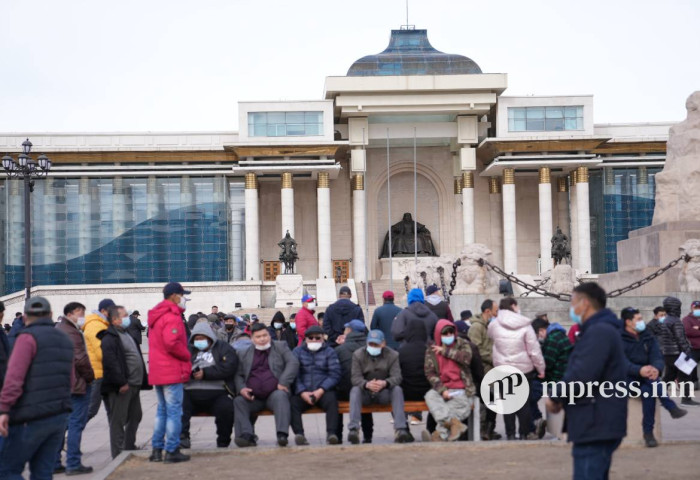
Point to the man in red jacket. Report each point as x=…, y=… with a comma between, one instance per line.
x=170, y=368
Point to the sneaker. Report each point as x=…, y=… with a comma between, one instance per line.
x=301, y=440
x=185, y=441
x=689, y=402
x=530, y=436
x=245, y=440
x=678, y=412
x=59, y=469
x=403, y=436
x=223, y=444
x=175, y=457
x=495, y=436
x=156, y=455
x=283, y=439
x=650, y=441
x=354, y=436
x=510, y=437
x=540, y=427
x=456, y=428
x=413, y=420
x=332, y=439
x=81, y=470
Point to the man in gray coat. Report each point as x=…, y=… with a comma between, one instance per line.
x=266, y=373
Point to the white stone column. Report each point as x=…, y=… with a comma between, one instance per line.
x=545, y=192
x=323, y=192
x=584, y=220
x=252, y=245
x=49, y=223
x=458, y=201
x=359, y=232
x=510, y=241
x=496, y=217
x=468, y=208
x=15, y=223
x=642, y=182
x=563, y=205
x=152, y=206
x=573, y=210
x=287, y=193
x=186, y=195
x=118, y=207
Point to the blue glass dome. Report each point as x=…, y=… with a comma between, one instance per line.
x=410, y=53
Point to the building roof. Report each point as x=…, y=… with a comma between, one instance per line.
x=410, y=53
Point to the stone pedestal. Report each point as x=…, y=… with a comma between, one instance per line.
x=288, y=289
x=325, y=292
x=647, y=250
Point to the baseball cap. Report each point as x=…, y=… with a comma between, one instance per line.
x=314, y=330
x=695, y=304
x=105, y=304
x=375, y=336
x=431, y=289
x=307, y=298
x=388, y=295
x=37, y=306
x=174, y=287
x=136, y=313
x=356, y=325
x=345, y=290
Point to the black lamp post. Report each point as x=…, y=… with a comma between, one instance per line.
x=25, y=169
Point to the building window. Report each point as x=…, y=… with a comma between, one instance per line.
x=545, y=119
x=285, y=124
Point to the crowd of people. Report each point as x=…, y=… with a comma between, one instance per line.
x=55, y=376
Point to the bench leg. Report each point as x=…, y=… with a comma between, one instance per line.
x=475, y=422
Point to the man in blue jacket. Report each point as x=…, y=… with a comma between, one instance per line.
x=645, y=364
x=339, y=314
x=596, y=424
x=319, y=373
x=383, y=318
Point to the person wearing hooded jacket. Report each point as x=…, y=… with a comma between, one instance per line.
x=515, y=343
x=338, y=315
x=437, y=304
x=94, y=324
x=211, y=387
x=280, y=331
x=416, y=309
x=447, y=368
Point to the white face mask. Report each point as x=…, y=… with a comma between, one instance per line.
x=263, y=347
x=80, y=322
x=183, y=303
x=311, y=306
x=278, y=326
x=314, y=346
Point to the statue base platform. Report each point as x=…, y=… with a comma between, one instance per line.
x=289, y=289
x=645, y=251
x=325, y=292
x=399, y=267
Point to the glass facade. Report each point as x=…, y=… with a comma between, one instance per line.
x=124, y=230
x=285, y=124
x=545, y=119
x=621, y=200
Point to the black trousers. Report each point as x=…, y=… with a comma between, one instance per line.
x=524, y=415
x=212, y=402
x=366, y=421
x=328, y=403
x=672, y=373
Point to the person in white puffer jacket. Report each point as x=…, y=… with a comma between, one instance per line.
x=515, y=344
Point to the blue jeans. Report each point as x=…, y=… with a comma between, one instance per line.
x=35, y=442
x=166, y=430
x=649, y=404
x=76, y=424
x=592, y=460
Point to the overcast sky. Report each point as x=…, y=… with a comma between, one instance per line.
x=152, y=65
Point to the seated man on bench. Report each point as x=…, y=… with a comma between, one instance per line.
x=376, y=378
x=319, y=373
x=266, y=373
x=211, y=386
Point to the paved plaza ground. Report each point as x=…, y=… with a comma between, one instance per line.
x=544, y=459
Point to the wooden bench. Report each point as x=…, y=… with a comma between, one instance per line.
x=473, y=433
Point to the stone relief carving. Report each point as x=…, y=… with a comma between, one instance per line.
x=689, y=275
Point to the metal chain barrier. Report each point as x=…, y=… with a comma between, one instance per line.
x=563, y=297
x=645, y=280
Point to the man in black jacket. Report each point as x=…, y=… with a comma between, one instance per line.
x=136, y=328
x=212, y=386
x=338, y=315
x=123, y=369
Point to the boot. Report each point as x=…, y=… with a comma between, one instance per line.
x=176, y=457
x=678, y=412
x=436, y=437
x=490, y=431
x=456, y=428
x=649, y=440
x=156, y=455
x=485, y=431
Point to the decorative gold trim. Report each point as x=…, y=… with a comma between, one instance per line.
x=642, y=176
x=562, y=184
x=609, y=176
x=508, y=176
x=494, y=185
x=582, y=175
x=574, y=177
x=358, y=182
x=458, y=186
x=467, y=179
x=287, y=180
x=545, y=175
x=323, y=181
x=251, y=181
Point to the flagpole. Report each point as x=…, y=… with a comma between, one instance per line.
x=415, y=203
x=388, y=202
x=366, y=227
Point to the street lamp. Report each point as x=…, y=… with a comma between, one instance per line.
x=25, y=169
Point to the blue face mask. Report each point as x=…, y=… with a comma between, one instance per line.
x=573, y=316
x=126, y=321
x=374, y=351
x=201, y=344
x=662, y=319
x=293, y=325
x=447, y=340
x=696, y=312
x=640, y=326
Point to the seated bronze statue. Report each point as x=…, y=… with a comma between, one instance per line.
x=403, y=239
